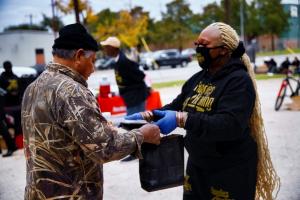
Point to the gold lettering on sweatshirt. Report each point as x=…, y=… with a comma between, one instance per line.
x=119, y=78
x=185, y=103
x=202, y=100
x=219, y=194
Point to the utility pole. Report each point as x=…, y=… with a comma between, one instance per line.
x=298, y=23
x=242, y=20
x=160, y=8
x=130, y=5
x=30, y=19
x=227, y=11
x=53, y=4
x=76, y=10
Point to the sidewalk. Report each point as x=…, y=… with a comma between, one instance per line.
x=121, y=180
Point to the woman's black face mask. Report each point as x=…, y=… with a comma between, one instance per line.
x=203, y=56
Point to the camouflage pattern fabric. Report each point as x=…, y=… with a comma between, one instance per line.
x=66, y=139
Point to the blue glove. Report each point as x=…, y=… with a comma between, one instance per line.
x=167, y=120
x=135, y=116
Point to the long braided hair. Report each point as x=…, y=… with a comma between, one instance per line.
x=268, y=182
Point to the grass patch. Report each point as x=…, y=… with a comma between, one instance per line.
x=278, y=52
x=266, y=77
x=179, y=83
x=168, y=84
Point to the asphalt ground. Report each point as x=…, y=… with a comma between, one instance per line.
x=122, y=179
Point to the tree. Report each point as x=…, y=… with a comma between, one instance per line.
x=165, y=34
x=128, y=27
x=175, y=27
x=233, y=15
x=26, y=27
x=178, y=10
x=261, y=16
x=211, y=13
x=179, y=14
x=194, y=23
x=252, y=19
x=79, y=7
x=227, y=9
x=273, y=19
x=54, y=23
x=104, y=17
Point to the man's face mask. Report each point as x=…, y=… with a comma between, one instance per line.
x=203, y=56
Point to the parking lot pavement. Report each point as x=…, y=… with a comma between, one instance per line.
x=122, y=180
x=12, y=177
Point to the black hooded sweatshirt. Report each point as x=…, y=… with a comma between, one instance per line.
x=130, y=81
x=219, y=107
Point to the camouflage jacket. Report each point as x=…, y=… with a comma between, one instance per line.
x=66, y=139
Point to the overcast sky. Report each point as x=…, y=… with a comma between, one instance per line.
x=14, y=12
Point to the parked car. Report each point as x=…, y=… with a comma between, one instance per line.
x=170, y=57
x=105, y=63
x=22, y=71
x=147, y=60
x=190, y=52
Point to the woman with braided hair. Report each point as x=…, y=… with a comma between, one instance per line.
x=220, y=110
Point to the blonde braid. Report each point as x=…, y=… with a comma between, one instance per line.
x=267, y=179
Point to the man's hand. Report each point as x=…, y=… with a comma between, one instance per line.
x=151, y=133
x=167, y=120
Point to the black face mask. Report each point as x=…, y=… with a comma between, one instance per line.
x=203, y=56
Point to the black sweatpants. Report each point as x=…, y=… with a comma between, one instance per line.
x=10, y=143
x=234, y=183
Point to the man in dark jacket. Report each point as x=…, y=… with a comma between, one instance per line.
x=129, y=78
x=9, y=141
x=10, y=82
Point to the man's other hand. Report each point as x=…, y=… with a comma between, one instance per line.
x=151, y=133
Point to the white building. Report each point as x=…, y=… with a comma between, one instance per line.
x=22, y=46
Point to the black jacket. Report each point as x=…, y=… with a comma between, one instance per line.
x=219, y=108
x=11, y=83
x=2, y=104
x=130, y=81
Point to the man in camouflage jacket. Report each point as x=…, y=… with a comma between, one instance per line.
x=66, y=138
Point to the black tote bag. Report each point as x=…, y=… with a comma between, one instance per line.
x=162, y=165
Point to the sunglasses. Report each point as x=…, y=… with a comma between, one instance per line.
x=197, y=44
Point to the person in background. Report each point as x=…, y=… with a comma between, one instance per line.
x=66, y=138
x=296, y=64
x=271, y=65
x=220, y=110
x=10, y=82
x=129, y=78
x=284, y=66
x=9, y=141
x=251, y=52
